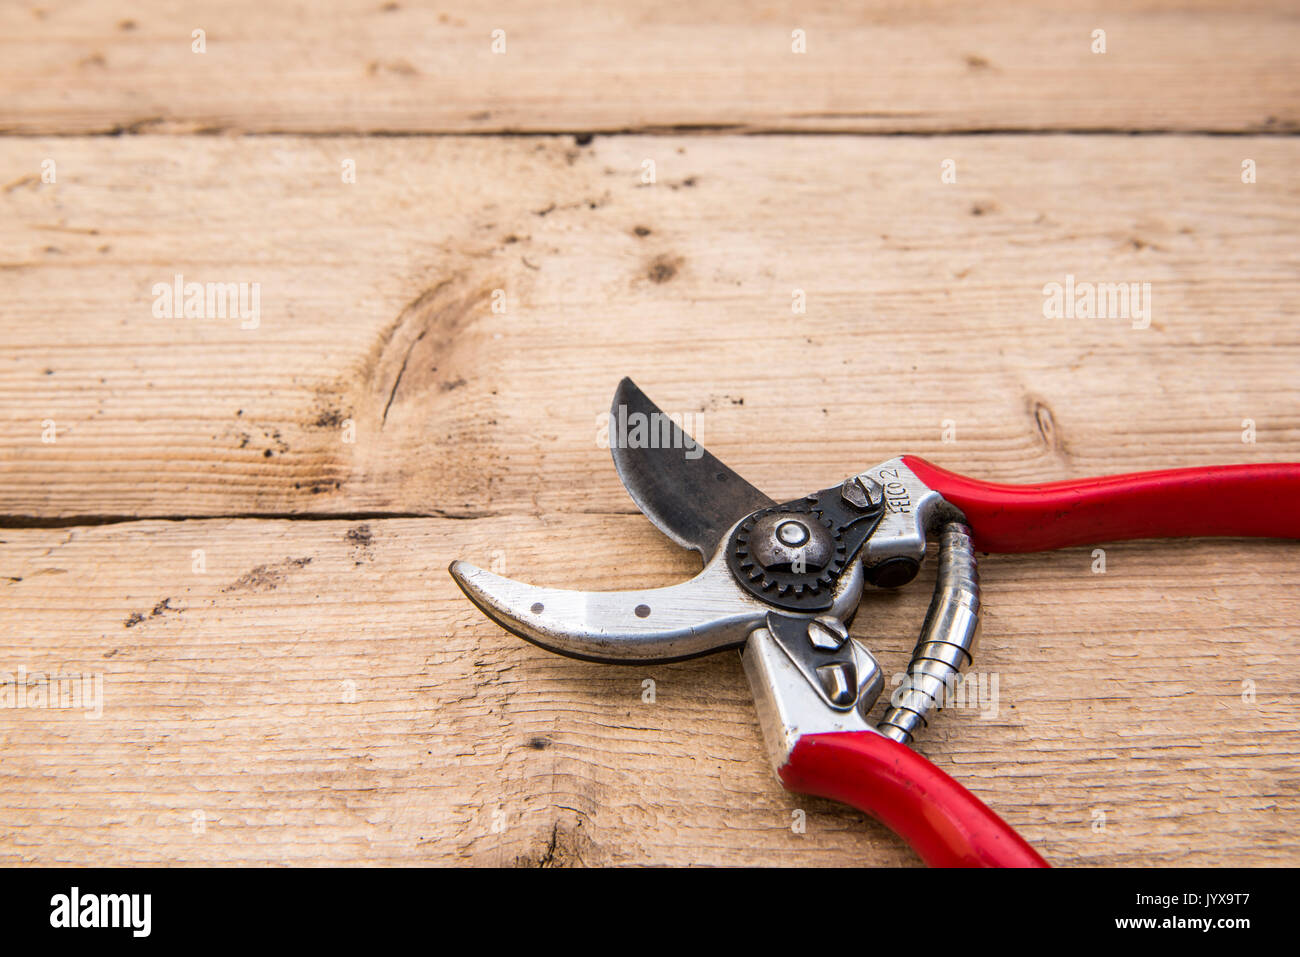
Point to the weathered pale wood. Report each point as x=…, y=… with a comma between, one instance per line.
x=369, y=65
x=231, y=692
x=924, y=305
x=228, y=693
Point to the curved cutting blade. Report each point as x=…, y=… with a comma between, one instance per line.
x=708, y=613
x=680, y=486
x=705, y=614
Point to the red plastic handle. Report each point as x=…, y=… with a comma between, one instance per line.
x=1250, y=500
x=942, y=821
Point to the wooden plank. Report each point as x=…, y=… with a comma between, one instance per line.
x=230, y=692
x=924, y=305
x=320, y=693
x=367, y=65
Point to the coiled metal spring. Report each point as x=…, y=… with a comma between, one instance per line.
x=948, y=637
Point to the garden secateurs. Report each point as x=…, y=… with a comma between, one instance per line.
x=782, y=582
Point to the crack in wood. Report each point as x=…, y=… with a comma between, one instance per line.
x=76, y=521
x=397, y=381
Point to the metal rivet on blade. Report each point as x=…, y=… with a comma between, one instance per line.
x=642, y=611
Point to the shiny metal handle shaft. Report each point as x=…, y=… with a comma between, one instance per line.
x=948, y=637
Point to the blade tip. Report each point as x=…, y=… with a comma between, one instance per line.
x=626, y=389
x=461, y=571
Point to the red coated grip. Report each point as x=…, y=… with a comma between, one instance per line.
x=1245, y=500
x=943, y=822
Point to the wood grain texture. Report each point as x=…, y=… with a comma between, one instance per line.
x=319, y=692
x=369, y=65
x=322, y=694
x=924, y=305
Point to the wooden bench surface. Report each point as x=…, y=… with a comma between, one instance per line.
x=244, y=532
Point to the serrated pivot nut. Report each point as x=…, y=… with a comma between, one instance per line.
x=784, y=539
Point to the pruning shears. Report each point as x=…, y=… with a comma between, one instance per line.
x=782, y=582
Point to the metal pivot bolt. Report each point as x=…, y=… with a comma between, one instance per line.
x=781, y=540
x=793, y=533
